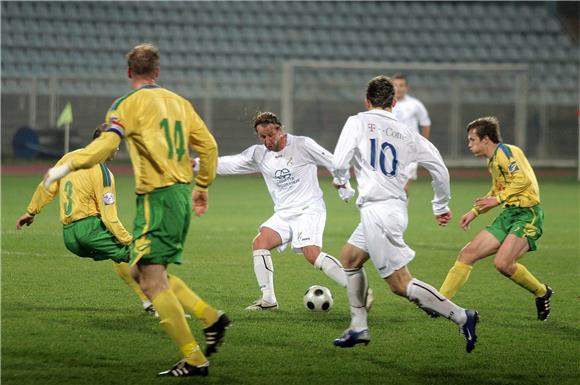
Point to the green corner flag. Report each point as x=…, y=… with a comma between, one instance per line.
x=66, y=116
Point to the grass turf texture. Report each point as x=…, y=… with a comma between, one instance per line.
x=71, y=321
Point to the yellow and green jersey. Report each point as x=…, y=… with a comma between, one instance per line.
x=514, y=183
x=159, y=126
x=82, y=194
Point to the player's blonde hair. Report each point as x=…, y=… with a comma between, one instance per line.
x=266, y=117
x=143, y=59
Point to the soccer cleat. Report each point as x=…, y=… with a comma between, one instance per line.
x=183, y=369
x=543, y=304
x=468, y=329
x=351, y=338
x=260, y=304
x=214, y=334
x=370, y=299
x=151, y=311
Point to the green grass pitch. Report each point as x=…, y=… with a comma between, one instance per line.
x=72, y=321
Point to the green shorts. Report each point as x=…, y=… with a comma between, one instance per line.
x=520, y=221
x=161, y=225
x=89, y=238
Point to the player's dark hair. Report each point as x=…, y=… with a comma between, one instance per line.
x=265, y=117
x=99, y=130
x=486, y=126
x=381, y=92
x=143, y=59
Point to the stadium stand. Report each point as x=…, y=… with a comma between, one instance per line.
x=239, y=47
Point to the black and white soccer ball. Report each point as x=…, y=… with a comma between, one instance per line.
x=318, y=298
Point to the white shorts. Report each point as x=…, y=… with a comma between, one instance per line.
x=411, y=171
x=301, y=228
x=380, y=234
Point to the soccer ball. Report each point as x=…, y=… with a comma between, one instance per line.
x=318, y=298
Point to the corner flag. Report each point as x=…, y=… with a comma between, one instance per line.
x=66, y=116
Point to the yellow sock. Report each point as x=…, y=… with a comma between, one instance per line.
x=527, y=280
x=125, y=273
x=172, y=320
x=456, y=278
x=192, y=303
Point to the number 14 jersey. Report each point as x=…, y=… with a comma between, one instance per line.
x=159, y=126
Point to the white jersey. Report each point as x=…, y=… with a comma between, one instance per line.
x=412, y=113
x=378, y=146
x=291, y=174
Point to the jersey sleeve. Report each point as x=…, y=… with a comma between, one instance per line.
x=516, y=180
x=104, y=186
x=96, y=152
x=319, y=154
x=423, y=115
x=203, y=142
x=344, y=151
x=41, y=196
x=242, y=163
x=428, y=156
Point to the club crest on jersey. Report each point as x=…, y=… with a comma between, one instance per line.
x=372, y=127
x=513, y=167
x=109, y=198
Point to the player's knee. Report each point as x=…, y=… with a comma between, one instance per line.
x=504, y=266
x=468, y=254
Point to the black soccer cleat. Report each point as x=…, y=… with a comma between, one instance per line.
x=351, y=338
x=543, y=304
x=183, y=369
x=214, y=334
x=468, y=329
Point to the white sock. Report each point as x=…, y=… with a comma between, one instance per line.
x=426, y=296
x=357, y=287
x=264, y=270
x=146, y=304
x=331, y=267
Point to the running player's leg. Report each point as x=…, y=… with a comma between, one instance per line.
x=266, y=240
x=483, y=245
x=124, y=273
x=153, y=281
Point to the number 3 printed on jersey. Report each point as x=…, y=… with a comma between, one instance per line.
x=387, y=162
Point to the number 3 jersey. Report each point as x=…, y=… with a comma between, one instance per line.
x=379, y=147
x=160, y=126
x=83, y=193
x=290, y=174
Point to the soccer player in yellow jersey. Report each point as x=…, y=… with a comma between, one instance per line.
x=88, y=211
x=518, y=227
x=159, y=127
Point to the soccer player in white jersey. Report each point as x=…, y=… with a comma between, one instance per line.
x=289, y=165
x=412, y=113
x=378, y=146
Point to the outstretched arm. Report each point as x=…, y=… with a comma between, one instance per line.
x=97, y=151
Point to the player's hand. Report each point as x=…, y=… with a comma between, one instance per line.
x=444, y=219
x=485, y=204
x=26, y=219
x=466, y=219
x=55, y=173
x=199, y=202
x=346, y=192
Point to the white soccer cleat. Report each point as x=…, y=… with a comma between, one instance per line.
x=261, y=304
